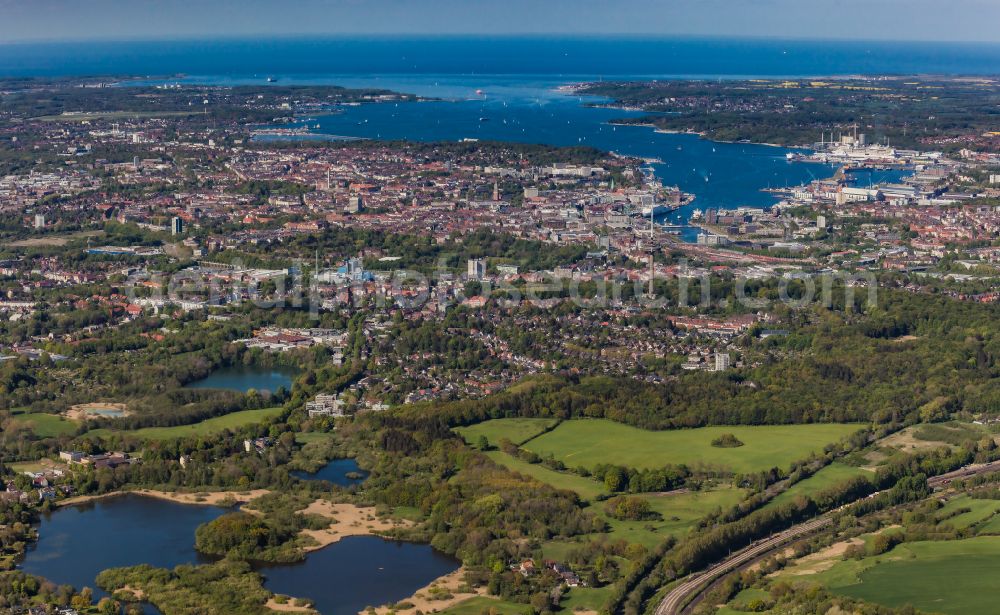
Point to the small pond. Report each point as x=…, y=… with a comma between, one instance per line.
x=343, y=472
x=242, y=378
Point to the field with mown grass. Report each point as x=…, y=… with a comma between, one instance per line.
x=517, y=431
x=589, y=442
x=953, y=577
x=827, y=477
x=44, y=425
x=214, y=425
x=587, y=488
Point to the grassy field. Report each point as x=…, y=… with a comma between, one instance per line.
x=305, y=437
x=481, y=604
x=824, y=479
x=990, y=527
x=979, y=510
x=515, y=430
x=56, y=241
x=951, y=577
x=588, y=442
x=207, y=427
x=586, y=488
x=679, y=513
x=585, y=598
x=28, y=466
x=740, y=600
x=45, y=425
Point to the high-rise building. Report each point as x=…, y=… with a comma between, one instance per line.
x=39, y=221
x=355, y=205
x=721, y=361
x=354, y=269
x=176, y=226
x=477, y=268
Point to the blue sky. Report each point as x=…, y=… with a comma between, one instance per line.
x=952, y=20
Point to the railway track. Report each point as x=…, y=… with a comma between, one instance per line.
x=678, y=599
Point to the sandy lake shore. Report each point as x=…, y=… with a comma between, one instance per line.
x=208, y=498
x=424, y=600
x=349, y=520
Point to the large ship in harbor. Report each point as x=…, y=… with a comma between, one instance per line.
x=657, y=210
x=658, y=200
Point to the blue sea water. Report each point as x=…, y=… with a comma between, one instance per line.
x=719, y=174
x=532, y=109
x=519, y=77
x=540, y=55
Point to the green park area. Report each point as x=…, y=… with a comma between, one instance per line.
x=831, y=475
x=44, y=425
x=952, y=577
x=576, y=599
x=590, y=442
x=676, y=514
x=517, y=431
x=587, y=488
x=210, y=426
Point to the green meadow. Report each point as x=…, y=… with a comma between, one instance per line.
x=517, y=431
x=962, y=512
x=824, y=479
x=679, y=512
x=210, y=426
x=482, y=604
x=586, y=488
x=589, y=442
x=44, y=425
x=953, y=577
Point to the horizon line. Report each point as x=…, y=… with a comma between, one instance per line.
x=346, y=36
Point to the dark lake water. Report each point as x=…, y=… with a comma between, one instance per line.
x=242, y=378
x=335, y=472
x=359, y=571
x=77, y=542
